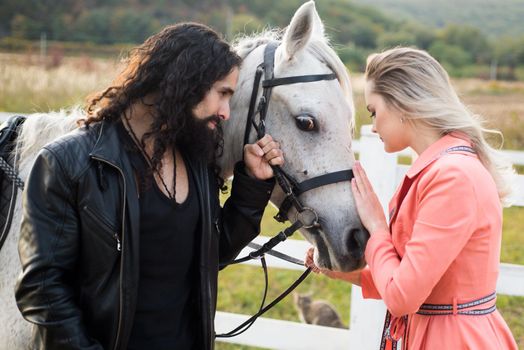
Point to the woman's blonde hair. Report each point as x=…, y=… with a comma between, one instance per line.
x=415, y=84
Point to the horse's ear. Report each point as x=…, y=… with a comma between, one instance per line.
x=318, y=26
x=305, y=24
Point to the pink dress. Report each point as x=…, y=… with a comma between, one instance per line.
x=443, y=249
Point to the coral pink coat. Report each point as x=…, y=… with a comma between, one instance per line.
x=444, y=248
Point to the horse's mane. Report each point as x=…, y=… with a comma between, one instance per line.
x=41, y=128
x=244, y=44
x=319, y=47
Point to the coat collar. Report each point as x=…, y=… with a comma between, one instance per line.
x=434, y=152
x=108, y=145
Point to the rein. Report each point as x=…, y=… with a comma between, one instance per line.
x=305, y=217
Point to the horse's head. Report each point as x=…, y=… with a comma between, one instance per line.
x=313, y=122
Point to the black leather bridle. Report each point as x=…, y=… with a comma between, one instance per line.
x=292, y=188
x=306, y=217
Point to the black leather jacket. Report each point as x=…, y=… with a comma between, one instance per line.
x=80, y=233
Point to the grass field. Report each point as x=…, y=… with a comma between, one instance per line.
x=27, y=85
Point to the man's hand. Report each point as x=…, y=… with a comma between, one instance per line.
x=259, y=157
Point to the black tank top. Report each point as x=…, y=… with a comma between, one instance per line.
x=166, y=307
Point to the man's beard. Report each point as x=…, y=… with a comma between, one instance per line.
x=199, y=141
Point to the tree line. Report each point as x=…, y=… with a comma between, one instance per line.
x=355, y=30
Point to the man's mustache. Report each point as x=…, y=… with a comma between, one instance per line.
x=213, y=118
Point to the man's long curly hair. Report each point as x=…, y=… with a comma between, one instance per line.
x=179, y=65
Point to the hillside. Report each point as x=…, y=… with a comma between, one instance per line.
x=356, y=27
x=494, y=18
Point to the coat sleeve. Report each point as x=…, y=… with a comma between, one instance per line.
x=447, y=208
x=48, y=249
x=242, y=212
x=369, y=290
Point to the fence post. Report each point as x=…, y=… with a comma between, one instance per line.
x=381, y=167
x=367, y=316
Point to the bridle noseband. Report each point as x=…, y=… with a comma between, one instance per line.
x=305, y=217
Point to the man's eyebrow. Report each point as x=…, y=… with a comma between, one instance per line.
x=227, y=90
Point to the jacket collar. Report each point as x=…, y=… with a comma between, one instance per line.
x=434, y=152
x=108, y=145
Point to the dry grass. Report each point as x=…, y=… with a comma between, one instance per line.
x=28, y=85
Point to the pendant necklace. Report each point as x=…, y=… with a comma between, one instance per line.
x=138, y=144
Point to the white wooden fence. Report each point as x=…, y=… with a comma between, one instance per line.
x=366, y=316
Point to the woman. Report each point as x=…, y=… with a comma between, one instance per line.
x=436, y=264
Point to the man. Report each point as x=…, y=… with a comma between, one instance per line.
x=122, y=233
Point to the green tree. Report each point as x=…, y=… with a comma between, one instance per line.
x=470, y=39
x=128, y=26
x=447, y=54
x=91, y=24
x=507, y=51
x=391, y=39
x=353, y=56
x=244, y=23
x=23, y=27
x=363, y=33
x=424, y=37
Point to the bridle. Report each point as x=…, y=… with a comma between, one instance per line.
x=291, y=187
x=305, y=217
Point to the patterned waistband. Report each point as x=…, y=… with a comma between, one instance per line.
x=395, y=327
x=453, y=309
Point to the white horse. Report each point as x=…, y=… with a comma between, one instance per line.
x=328, y=104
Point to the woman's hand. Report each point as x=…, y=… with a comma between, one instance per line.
x=368, y=206
x=351, y=277
x=260, y=155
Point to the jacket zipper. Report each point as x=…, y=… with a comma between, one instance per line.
x=208, y=284
x=119, y=327
x=216, y=226
x=94, y=216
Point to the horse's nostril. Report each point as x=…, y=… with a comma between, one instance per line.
x=356, y=242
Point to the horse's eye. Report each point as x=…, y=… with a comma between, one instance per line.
x=306, y=122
